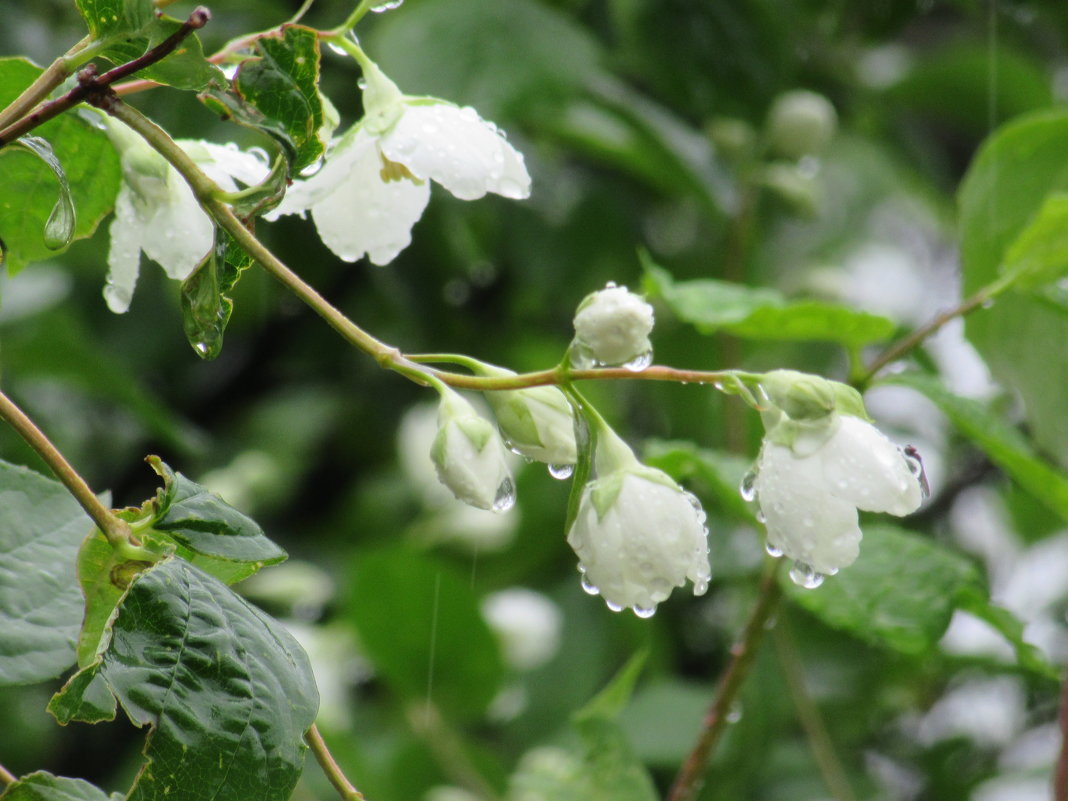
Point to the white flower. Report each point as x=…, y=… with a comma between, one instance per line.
x=373, y=186
x=527, y=623
x=470, y=457
x=156, y=212
x=612, y=327
x=538, y=422
x=809, y=492
x=637, y=534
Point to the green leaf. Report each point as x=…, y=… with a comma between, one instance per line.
x=761, y=313
x=721, y=472
x=611, y=700
x=1039, y=254
x=227, y=691
x=430, y=607
x=206, y=303
x=113, y=18
x=1006, y=446
x=1024, y=339
x=43, y=786
x=41, y=526
x=901, y=593
x=31, y=186
x=201, y=521
x=186, y=67
x=277, y=91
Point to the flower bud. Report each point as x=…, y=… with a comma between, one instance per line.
x=470, y=457
x=800, y=123
x=801, y=396
x=612, y=327
x=538, y=422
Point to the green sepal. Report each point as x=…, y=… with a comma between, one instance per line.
x=478, y=430
x=801, y=396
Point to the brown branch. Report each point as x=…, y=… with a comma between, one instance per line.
x=688, y=780
x=91, y=86
x=1060, y=778
x=330, y=767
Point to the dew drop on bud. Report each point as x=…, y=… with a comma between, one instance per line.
x=505, y=498
x=561, y=471
x=748, y=486
x=589, y=587
x=644, y=612
x=773, y=551
x=639, y=362
x=915, y=463
x=803, y=575
x=761, y=517
x=337, y=49
x=614, y=606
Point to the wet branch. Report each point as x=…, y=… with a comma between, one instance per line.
x=1060, y=778
x=688, y=781
x=333, y=772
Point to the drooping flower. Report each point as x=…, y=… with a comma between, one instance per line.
x=157, y=213
x=637, y=534
x=373, y=186
x=469, y=455
x=612, y=327
x=818, y=467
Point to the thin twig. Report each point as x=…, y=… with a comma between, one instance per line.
x=687, y=782
x=115, y=529
x=91, y=85
x=1060, y=778
x=6, y=776
x=808, y=714
x=330, y=767
x=37, y=91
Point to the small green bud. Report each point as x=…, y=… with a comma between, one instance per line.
x=800, y=123
x=734, y=138
x=801, y=396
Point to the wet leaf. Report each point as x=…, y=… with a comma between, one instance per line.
x=227, y=692
x=41, y=526
x=206, y=304
x=28, y=201
x=114, y=18
x=43, y=786
x=186, y=67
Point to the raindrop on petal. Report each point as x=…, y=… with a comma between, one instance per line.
x=772, y=550
x=804, y=575
x=644, y=612
x=589, y=587
x=748, y=486
x=639, y=362
x=614, y=606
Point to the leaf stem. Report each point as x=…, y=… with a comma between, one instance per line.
x=6, y=776
x=333, y=771
x=688, y=780
x=350, y=22
x=116, y=530
x=830, y=766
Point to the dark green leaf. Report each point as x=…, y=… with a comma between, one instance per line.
x=431, y=609
x=30, y=186
x=1024, y=339
x=1006, y=446
x=227, y=691
x=114, y=18
x=43, y=786
x=205, y=524
x=277, y=91
x=185, y=67
x=759, y=313
x=41, y=526
x=206, y=304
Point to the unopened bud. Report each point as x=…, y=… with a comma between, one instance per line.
x=800, y=123
x=612, y=327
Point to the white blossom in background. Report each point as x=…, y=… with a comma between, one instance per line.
x=818, y=465
x=637, y=534
x=612, y=327
x=527, y=624
x=470, y=456
x=374, y=184
x=157, y=214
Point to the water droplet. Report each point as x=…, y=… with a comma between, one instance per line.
x=700, y=587
x=589, y=587
x=561, y=471
x=614, y=606
x=804, y=575
x=389, y=5
x=915, y=463
x=581, y=357
x=747, y=488
x=505, y=498
x=313, y=168
x=773, y=551
x=988, y=304
x=760, y=516
x=644, y=612
x=639, y=362
x=59, y=228
x=734, y=714
x=611, y=285
x=201, y=348
x=337, y=49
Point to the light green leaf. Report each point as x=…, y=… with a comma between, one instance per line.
x=43, y=786
x=31, y=187
x=277, y=91
x=427, y=602
x=1005, y=445
x=975, y=601
x=761, y=313
x=1023, y=338
x=206, y=303
x=611, y=700
x=1039, y=254
x=227, y=691
x=41, y=526
x=114, y=18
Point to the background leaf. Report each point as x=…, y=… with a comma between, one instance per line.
x=43, y=786
x=41, y=526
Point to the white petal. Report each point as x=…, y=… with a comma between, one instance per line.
x=223, y=163
x=865, y=468
x=337, y=166
x=650, y=540
x=458, y=149
x=180, y=234
x=476, y=477
x=364, y=214
x=804, y=520
x=124, y=255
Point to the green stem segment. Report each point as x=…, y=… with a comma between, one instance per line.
x=688, y=780
x=116, y=530
x=6, y=776
x=333, y=772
